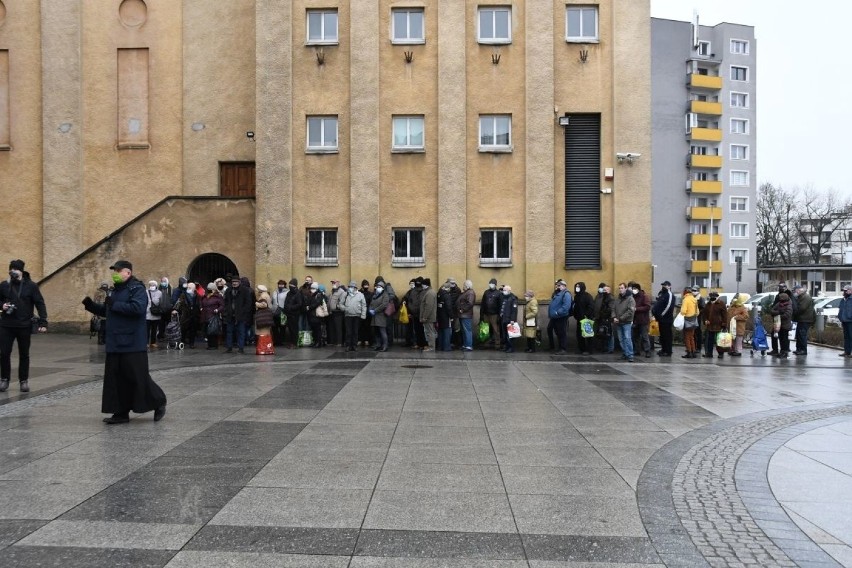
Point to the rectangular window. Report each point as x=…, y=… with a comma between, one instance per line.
x=408, y=249
x=495, y=133
x=739, y=204
x=698, y=228
x=133, y=98
x=739, y=126
x=739, y=46
x=495, y=247
x=830, y=286
x=739, y=152
x=739, y=230
x=704, y=48
x=322, y=134
x=322, y=247
x=407, y=133
x=739, y=178
x=698, y=150
x=739, y=100
x=407, y=25
x=322, y=27
x=739, y=253
x=495, y=25
x=739, y=73
x=581, y=24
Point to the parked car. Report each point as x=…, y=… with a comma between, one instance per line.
x=829, y=306
x=764, y=300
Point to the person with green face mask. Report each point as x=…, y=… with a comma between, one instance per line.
x=127, y=382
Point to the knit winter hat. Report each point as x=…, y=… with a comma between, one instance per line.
x=294, y=282
x=17, y=265
x=493, y=281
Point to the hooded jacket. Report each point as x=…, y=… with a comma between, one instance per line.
x=584, y=304
x=26, y=296
x=294, y=303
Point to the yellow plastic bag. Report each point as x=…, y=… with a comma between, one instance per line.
x=654, y=328
x=403, y=314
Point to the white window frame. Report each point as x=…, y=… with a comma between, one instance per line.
x=737, y=68
x=407, y=148
x=707, y=48
x=322, y=148
x=738, y=172
x=325, y=39
x=495, y=148
x=732, y=257
x=409, y=260
x=585, y=36
x=743, y=147
x=739, y=226
x=493, y=40
x=325, y=258
x=744, y=42
x=739, y=199
x=743, y=121
x=408, y=40
x=495, y=260
x=736, y=96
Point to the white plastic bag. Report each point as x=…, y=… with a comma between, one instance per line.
x=678, y=322
x=513, y=330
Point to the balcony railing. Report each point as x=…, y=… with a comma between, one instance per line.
x=703, y=266
x=705, y=107
x=709, y=134
x=697, y=240
x=704, y=186
x=702, y=161
x=704, y=213
x=704, y=81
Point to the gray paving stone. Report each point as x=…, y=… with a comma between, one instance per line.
x=24, y=500
x=457, y=512
x=11, y=531
x=442, y=477
x=577, y=515
x=105, y=534
x=440, y=453
x=307, y=474
x=540, y=480
x=287, y=507
x=560, y=456
x=74, y=557
x=274, y=540
x=204, y=559
x=439, y=544
x=373, y=562
x=599, y=549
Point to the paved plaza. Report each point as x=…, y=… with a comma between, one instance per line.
x=321, y=458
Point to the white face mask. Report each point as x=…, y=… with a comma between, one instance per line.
x=577, y=290
x=379, y=289
x=505, y=292
x=634, y=290
x=493, y=286
x=411, y=285
x=600, y=290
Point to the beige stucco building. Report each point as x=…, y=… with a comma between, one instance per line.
x=341, y=139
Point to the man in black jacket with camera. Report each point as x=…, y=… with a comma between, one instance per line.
x=18, y=296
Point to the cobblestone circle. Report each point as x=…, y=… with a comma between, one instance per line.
x=705, y=497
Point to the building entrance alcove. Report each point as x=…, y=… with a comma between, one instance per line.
x=210, y=266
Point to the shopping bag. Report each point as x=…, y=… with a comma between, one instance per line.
x=306, y=338
x=214, y=326
x=484, y=332
x=724, y=340
x=654, y=328
x=603, y=329
x=513, y=330
x=403, y=314
x=587, y=327
x=678, y=322
x=732, y=327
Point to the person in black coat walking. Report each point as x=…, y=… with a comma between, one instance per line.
x=127, y=383
x=18, y=296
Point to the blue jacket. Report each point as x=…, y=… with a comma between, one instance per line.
x=560, y=305
x=126, y=329
x=844, y=314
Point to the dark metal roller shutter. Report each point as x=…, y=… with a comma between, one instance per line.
x=583, y=191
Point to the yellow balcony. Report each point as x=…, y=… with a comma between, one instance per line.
x=699, y=161
x=705, y=81
x=703, y=240
x=703, y=266
x=700, y=186
x=710, y=134
x=704, y=213
x=703, y=107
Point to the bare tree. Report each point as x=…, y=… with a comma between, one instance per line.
x=777, y=215
x=821, y=216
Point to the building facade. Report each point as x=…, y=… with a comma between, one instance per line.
x=705, y=156
x=341, y=139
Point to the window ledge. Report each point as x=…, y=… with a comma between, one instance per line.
x=408, y=42
x=399, y=263
x=321, y=150
x=322, y=43
x=5, y=147
x=496, y=149
x=408, y=150
x=495, y=263
x=589, y=40
x=494, y=41
x=321, y=262
x=133, y=146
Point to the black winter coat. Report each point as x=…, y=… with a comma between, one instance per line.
x=26, y=296
x=126, y=329
x=294, y=302
x=239, y=305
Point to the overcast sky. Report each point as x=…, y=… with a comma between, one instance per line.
x=804, y=77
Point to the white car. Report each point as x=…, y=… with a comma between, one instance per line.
x=763, y=299
x=830, y=307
